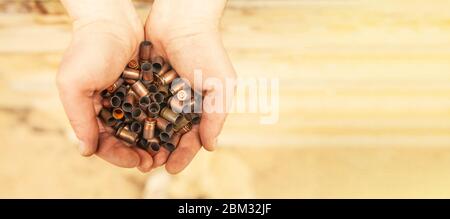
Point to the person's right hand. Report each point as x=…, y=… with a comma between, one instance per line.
x=105, y=38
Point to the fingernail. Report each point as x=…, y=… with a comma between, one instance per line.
x=82, y=147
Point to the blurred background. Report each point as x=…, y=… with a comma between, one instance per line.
x=364, y=106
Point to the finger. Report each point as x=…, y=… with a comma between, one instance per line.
x=184, y=153
x=114, y=151
x=161, y=157
x=146, y=160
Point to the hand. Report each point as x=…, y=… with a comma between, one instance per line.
x=186, y=34
x=105, y=38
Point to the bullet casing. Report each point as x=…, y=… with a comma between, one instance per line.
x=182, y=95
x=180, y=123
x=129, y=102
x=118, y=113
x=130, y=73
x=169, y=115
x=164, y=125
x=111, y=89
x=157, y=63
x=133, y=64
x=167, y=77
x=154, y=108
x=136, y=127
x=121, y=92
x=165, y=68
x=157, y=97
x=144, y=51
x=173, y=142
x=146, y=72
x=138, y=114
x=152, y=88
x=149, y=128
x=144, y=102
x=107, y=117
x=126, y=135
x=154, y=145
x=185, y=129
x=139, y=89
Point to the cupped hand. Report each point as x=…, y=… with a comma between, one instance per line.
x=186, y=34
x=105, y=38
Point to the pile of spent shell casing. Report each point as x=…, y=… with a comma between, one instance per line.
x=149, y=106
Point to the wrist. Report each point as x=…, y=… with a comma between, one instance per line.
x=170, y=19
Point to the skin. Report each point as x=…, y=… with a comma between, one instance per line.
x=106, y=37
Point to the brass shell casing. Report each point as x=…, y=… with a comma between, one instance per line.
x=126, y=135
x=139, y=89
x=130, y=73
x=111, y=89
x=149, y=128
x=169, y=115
x=167, y=77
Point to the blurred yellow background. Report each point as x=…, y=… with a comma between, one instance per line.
x=364, y=106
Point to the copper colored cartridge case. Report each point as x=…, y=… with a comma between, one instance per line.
x=152, y=88
x=138, y=114
x=115, y=101
x=164, y=90
x=169, y=115
x=157, y=63
x=136, y=127
x=118, y=113
x=144, y=102
x=146, y=72
x=154, y=108
x=107, y=117
x=149, y=128
x=129, y=102
x=173, y=142
x=164, y=125
x=126, y=135
x=157, y=97
x=164, y=136
x=130, y=73
x=180, y=123
x=139, y=89
x=165, y=68
x=111, y=89
x=144, y=51
x=153, y=145
x=121, y=92
x=167, y=77
x=133, y=64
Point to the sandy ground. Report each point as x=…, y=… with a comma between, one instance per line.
x=364, y=107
